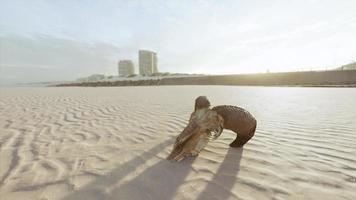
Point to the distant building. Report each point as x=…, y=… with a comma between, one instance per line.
x=92, y=78
x=147, y=62
x=126, y=68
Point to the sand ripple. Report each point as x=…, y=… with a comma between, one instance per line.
x=111, y=143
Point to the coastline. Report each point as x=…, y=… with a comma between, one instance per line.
x=337, y=78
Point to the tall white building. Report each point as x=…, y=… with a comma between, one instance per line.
x=147, y=62
x=126, y=68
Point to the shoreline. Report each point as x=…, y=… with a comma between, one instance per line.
x=342, y=78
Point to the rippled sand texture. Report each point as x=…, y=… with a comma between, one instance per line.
x=111, y=143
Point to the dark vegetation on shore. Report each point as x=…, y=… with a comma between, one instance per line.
x=310, y=78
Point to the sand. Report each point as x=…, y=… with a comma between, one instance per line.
x=111, y=143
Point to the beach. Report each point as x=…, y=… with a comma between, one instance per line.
x=112, y=143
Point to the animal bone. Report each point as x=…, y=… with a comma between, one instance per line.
x=235, y=118
x=197, y=134
x=239, y=121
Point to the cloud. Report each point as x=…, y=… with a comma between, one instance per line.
x=189, y=36
x=254, y=37
x=45, y=58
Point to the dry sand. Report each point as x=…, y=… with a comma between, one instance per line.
x=111, y=143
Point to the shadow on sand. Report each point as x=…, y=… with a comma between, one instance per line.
x=97, y=188
x=161, y=180
x=225, y=177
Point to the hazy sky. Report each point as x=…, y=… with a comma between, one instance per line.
x=47, y=40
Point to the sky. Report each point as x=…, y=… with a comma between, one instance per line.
x=51, y=40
